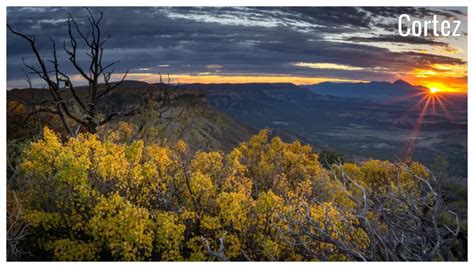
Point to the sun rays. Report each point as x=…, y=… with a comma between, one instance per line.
x=431, y=99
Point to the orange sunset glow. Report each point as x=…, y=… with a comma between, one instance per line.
x=437, y=79
x=442, y=77
x=209, y=79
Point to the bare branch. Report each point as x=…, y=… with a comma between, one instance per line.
x=220, y=253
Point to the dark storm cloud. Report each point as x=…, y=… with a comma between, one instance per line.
x=326, y=19
x=242, y=40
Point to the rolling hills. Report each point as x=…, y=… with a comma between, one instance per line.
x=362, y=120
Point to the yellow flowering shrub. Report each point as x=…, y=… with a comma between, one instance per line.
x=98, y=197
x=122, y=228
x=234, y=209
x=169, y=236
x=73, y=250
x=273, y=164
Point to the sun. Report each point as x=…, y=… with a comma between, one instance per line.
x=434, y=90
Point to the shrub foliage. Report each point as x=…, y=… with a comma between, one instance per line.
x=91, y=198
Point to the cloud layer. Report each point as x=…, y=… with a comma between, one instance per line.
x=240, y=41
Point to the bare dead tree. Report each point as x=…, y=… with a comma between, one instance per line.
x=160, y=101
x=398, y=225
x=16, y=228
x=218, y=254
x=80, y=110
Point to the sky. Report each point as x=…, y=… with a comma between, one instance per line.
x=301, y=45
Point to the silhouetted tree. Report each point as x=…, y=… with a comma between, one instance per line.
x=78, y=110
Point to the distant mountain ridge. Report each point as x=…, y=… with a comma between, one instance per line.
x=241, y=86
x=375, y=90
x=370, y=90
